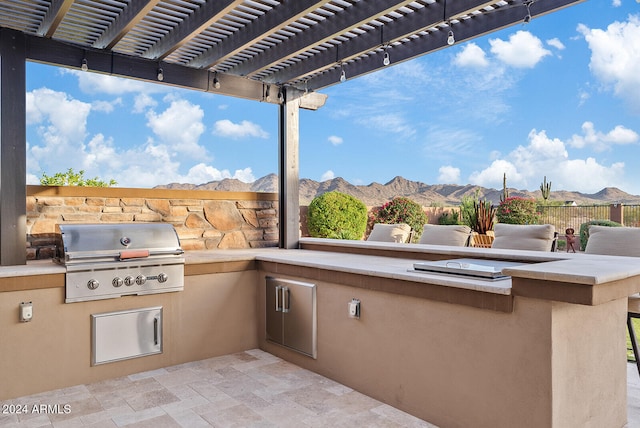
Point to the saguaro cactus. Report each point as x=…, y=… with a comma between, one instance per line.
x=505, y=191
x=545, y=188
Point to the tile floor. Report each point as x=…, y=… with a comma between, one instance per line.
x=248, y=389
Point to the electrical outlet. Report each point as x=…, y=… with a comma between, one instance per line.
x=26, y=311
x=354, y=308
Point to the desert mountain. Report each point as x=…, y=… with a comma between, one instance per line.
x=375, y=194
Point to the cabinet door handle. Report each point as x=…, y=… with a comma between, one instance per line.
x=278, y=304
x=155, y=331
x=286, y=302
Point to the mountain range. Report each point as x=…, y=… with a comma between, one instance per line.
x=376, y=194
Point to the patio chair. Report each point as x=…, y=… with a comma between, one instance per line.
x=533, y=237
x=454, y=235
x=619, y=241
x=400, y=232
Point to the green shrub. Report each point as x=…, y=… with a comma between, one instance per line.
x=449, y=218
x=517, y=210
x=338, y=216
x=584, y=230
x=401, y=210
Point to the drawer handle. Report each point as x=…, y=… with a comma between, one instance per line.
x=155, y=331
x=278, y=304
x=285, y=299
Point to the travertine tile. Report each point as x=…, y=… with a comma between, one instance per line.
x=248, y=389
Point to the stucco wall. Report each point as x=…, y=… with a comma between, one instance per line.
x=214, y=315
x=203, y=220
x=459, y=366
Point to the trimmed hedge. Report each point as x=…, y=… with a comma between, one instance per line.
x=584, y=230
x=337, y=215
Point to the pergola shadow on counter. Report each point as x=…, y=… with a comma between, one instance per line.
x=273, y=51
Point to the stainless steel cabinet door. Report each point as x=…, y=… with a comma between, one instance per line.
x=274, y=311
x=291, y=314
x=126, y=334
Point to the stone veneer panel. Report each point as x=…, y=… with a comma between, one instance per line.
x=203, y=219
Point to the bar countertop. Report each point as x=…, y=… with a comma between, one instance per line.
x=394, y=262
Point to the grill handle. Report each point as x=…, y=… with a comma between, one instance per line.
x=133, y=254
x=94, y=255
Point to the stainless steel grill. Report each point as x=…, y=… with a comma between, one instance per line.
x=106, y=261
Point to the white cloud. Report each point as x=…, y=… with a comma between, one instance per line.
x=617, y=3
x=61, y=123
x=203, y=173
x=101, y=151
x=335, y=140
x=615, y=57
x=329, y=175
x=226, y=128
x=526, y=165
x=600, y=141
x=394, y=123
x=64, y=115
x=142, y=102
x=471, y=55
x=556, y=43
x=449, y=175
x=180, y=126
x=523, y=50
x=583, y=96
x=93, y=83
x=492, y=176
x=106, y=106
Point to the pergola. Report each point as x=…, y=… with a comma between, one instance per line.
x=275, y=51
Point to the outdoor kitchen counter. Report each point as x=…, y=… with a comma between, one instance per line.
x=568, y=277
x=545, y=348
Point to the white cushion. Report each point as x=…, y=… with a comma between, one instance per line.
x=390, y=232
x=614, y=241
x=437, y=234
x=534, y=237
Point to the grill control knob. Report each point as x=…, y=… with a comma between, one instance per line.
x=93, y=284
x=117, y=282
x=129, y=281
x=163, y=277
x=141, y=279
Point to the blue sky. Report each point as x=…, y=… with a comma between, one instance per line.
x=557, y=97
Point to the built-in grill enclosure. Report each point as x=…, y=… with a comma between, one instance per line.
x=113, y=260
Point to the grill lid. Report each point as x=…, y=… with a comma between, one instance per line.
x=121, y=241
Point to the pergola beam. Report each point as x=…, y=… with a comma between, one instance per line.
x=192, y=26
x=129, y=18
x=61, y=54
x=53, y=17
x=466, y=29
x=355, y=16
x=394, y=31
x=262, y=27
